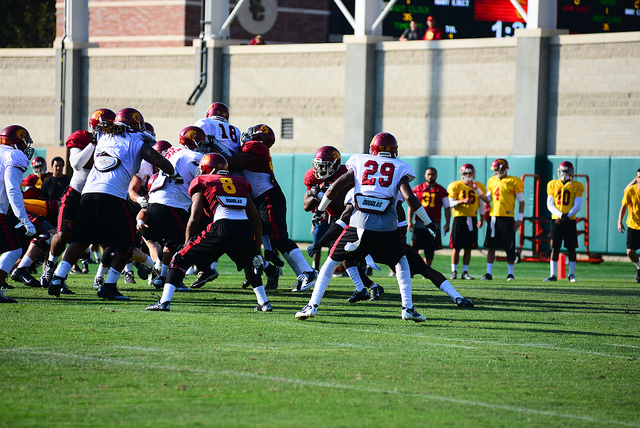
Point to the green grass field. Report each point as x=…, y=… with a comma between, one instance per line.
x=530, y=353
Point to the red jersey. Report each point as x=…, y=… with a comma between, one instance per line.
x=79, y=140
x=226, y=196
x=431, y=199
x=259, y=172
x=336, y=207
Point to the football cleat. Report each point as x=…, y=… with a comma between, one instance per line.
x=487, y=277
x=454, y=275
x=272, y=280
x=465, y=275
x=510, y=277
x=98, y=281
x=266, y=307
x=160, y=307
x=5, y=299
x=551, y=278
x=306, y=281
x=55, y=285
x=181, y=288
x=359, y=295
x=375, y=292
x=572, y=278
x=22, y=275
x=410, y=314
x=128, y=277
x=6, y=286
x=159, y=282
x=76, y=270
x=65, y=289
x=205, y=276
x=85, y=266
x=143, y=270
x=464, y=303
x=110, y=291
x=48, y=268
x=307, y=312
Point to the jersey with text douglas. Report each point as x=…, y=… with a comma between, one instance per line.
x=259, y=172
x=503, y=194
x=431, y=198
x=460, y=190
x=116, y=159
x=564, y=194
x=226, y=136
x=185, y=163
x=336, y=207
x=377, y=182
x=226, y=196
x=631, y=199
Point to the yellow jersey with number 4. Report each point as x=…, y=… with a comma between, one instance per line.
x=459, y=190
x=503, y=194
x=564, y=194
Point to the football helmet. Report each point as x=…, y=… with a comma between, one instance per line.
x=149, y=128
x=384, y=144
x=213, y=163
x=261, y=133
x=161, y=146
x=467, y=172
x=218, y=111
x=130, y=117
x=39, y=165
x=326, y=162
x=194, y=138
x=18, y=137
x=500, y=167
x=102, y=115
x=565, y=171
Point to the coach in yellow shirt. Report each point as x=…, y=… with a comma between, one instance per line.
x=631, y=201
x=503, y=190
x=564, y=200
x=465, y=196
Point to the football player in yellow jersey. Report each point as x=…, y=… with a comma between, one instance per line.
x=503, y=190
x=564, y=200
x=465, y=196
x=631, y=201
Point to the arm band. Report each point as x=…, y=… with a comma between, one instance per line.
x=478, y=191
x=140, y=222
x=422, y=215
x=520, y=216
x=402, y=223
x=324, y=203
x=341, y=223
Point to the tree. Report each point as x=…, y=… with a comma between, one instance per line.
x=28, y=23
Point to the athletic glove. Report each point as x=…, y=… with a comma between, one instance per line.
x=316, y=193
x=318, y=217
x=30, y=228
x=142, y=201
x=258, y=264
x=311, y=250
x=431, y=228
x=175, y=177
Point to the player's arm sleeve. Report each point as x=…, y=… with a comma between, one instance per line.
x=577, y=205
x=445, y=202
x=12, y=179
x=79, y=158
x=551, y=206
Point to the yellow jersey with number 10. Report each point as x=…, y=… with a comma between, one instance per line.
x=564, y=194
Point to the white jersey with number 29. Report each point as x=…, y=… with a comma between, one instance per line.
x=377, y=180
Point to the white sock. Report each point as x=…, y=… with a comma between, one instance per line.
x=261, y=295
x=553, y=267
x=9, y=258
x=291, y=262
x=324, y=276
x=102, y=270
x=63, y=269
x=403, y=275
x=25, y=262
x=450, y=290
x=53, y=259
x=298, y=258
x=510, y=268
x=148, y=262
x=490, y=268
x=355, y=277
x=128, y=267
x=572, y=268
x=167, y=292
x=113, y=276
x=454, y=267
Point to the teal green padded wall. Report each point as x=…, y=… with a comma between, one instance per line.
x=623, y=170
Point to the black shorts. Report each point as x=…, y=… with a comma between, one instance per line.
x=9, y=235
x=385, y=247
x=421, y=240
x=272, y=207
x=68, y=212
x=231, y=237
x=633, y=238
x=500, y=233
x=464, y=233
x=167, y=225
x=566, y=232
x=105, y=220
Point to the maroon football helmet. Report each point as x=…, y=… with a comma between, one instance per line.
x=149, y=128
x=162, y=146
x=384, y=144
x=326, y=162
x=467, y=172
x=194, y=138
x=18, y=137
x=102, y=115
x=130, y=117
x=39, y=165
x=500, y=167
x=218, y=111
x=261, y=133
x=213, y=163
x=565, y=171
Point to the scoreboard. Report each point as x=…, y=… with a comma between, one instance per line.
x=459, y=19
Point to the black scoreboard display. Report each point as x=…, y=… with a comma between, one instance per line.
x=461, y=19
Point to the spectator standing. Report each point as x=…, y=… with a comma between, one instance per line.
x=433, y=32
x=53, y=187
x=631, y=203
x=411, y=33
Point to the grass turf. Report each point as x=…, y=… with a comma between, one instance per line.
x=530, y=353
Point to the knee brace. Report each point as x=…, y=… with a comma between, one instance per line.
x=178, y=262
x=42, y=241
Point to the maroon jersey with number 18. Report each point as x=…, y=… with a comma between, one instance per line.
x=221, y=190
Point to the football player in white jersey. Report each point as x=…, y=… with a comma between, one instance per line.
x=224, y=137
x=15, y=152
x=373, y=227
x=104, y=216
